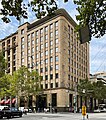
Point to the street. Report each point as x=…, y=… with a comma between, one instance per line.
x=61, y=116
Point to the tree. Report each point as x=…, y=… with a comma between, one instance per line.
x=18, y=8
x=91, y=12
x=85, y=88
x=25, y=83
x=99, y=90
x=5, y=82
x=96, y=90
x=2, y=64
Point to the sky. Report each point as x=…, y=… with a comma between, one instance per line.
x=97, y=46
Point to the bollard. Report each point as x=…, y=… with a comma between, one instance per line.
x=84, y=111
x=87, y=117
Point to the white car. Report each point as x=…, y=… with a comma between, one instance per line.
x=97, y=110
x=2, y=107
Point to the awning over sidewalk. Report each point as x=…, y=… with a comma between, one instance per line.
x=13, y=100
x=2, y=101
x=7, y=101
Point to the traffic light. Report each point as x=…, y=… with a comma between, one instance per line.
x=84, y=34
x=65, y=0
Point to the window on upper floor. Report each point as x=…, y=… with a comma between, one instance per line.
x=22, y=31
x=22, y=40
x=57, y=67
x=46, y=77
x=56, y=58
x=51, y=76
x=56, y=75
x=51, y=26
x=51, y=59
x=51, y=85
x=56, y=24
x=37, y=33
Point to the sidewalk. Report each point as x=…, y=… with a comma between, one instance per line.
x=59, y=116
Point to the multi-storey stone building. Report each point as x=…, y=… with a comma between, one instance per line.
x=51, y=46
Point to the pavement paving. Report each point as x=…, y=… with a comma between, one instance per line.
x=61, y=116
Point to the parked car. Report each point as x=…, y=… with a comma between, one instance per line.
x=1, y=114
x=11, y=112
x=2, y=107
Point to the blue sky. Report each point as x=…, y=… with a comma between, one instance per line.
x=97, y=46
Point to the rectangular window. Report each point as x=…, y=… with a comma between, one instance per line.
x=57, y=84
x=51, y=76
x=41, y=31
x=57, y=58
x=32, y=57
x=56, y=49
x=46, y=77
x=32, y=42
x=46, y=44
x=46, y=61
x=46, y=86
x=22, y=60
x=41, y=39
x=57, y=67
x=37, y=63
x=51, y=85
x=56, y=32
x=36, y=33
x=51, y=67
x=36, y=48
x=22, y=46
x=46, y=53
x=51, y=51
x=37, y=56
x=29, y=51
x=56, y=23
x=28, y=36
x=41, y=46
x=41, y=70
x=51, y=59
x=22, y=31
x=51, y=26
x=32, y=35
x=46, y=36
x=28, y=43
x=46, y=28
x=51, y=43
x=56, y=40
x=46, y=69
x=51, y=35
x=32, y=50
x=56, y=75
x=37, y=40
x=22, y=39
x=41, y=54
x=29, y=58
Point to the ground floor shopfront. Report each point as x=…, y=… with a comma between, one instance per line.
x=60, y=99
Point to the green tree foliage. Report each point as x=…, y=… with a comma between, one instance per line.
x=5, y=83
x=18, y=8
x=85, y=88
x=2, y=64
x=93, y=14
x=25, y=83
x=99, y=90
x=96, y=90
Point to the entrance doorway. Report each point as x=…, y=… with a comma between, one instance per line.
x=41, y=102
